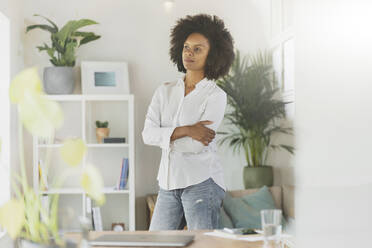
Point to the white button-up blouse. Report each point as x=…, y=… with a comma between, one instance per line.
x=185, y=161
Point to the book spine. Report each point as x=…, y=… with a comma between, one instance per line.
x=122, y=174
x=45, y=177
x=97, y=219
x=94, y=219
x=45, y=205
x=43, y=182
x=126, y=170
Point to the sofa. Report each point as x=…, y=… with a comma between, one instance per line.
x=282, y=196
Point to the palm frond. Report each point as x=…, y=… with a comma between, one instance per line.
x=252, y=93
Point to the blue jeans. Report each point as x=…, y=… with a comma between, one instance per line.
x=197, y=206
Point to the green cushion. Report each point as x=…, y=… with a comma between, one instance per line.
x=225, y=220
x=245, y=211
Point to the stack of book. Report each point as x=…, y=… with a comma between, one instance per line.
x=114, y=140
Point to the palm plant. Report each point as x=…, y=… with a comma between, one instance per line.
x=65, y=40
x=256, y=108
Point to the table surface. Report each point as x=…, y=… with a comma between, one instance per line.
x=200, y=240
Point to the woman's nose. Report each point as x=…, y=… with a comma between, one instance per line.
x=189, y=52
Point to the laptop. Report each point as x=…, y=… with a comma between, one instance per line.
x=142, y=240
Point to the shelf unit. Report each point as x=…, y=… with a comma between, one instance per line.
x=81, y=112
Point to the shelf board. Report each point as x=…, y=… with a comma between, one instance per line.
x=88, y=145
x=63, y=191
x=108, y=145
x=72, y=97
x=63, y=98
x=65, y=231
x=106, y=190
x=108, y=97
x=110, y=190
x=49, y=145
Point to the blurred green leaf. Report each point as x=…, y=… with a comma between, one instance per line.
x=12, y=217
x=39, y=115
x=92, y=183
x=73, y=151
x=27, y=80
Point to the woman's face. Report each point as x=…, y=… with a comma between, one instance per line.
x=195, y=52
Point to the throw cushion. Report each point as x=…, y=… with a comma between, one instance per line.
x=245, y=211
x=225, y=220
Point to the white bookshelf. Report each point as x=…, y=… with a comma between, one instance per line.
x=81, y=112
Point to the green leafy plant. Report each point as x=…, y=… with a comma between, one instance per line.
x=24, y=216
x=66, y=40
x=254, y=96
x=102, y=124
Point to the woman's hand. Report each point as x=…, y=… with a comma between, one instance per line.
x=201, y=133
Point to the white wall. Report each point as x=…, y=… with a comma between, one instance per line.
x=12, y=11
x=4, y=109
x=10, y=62
x=138, y=32
x=333, y=123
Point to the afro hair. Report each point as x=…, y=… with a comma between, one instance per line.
x=221, y=54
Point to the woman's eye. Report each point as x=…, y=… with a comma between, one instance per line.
x=197, y=49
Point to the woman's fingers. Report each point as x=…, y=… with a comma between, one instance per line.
x=205, y=122
x=207, y=140
x=206, y=135
x=210, y=131
x=212, y=134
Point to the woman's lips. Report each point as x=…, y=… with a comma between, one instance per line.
x=189, y=60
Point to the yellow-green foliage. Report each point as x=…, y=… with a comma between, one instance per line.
x=24, y=215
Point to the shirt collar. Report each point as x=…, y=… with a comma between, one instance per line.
x=201, y=84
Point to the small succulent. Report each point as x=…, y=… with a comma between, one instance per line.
x=102, y=124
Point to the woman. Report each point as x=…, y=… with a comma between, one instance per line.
x=182, y=119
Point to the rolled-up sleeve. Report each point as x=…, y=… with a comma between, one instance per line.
x=153, y=133
x=214, y=111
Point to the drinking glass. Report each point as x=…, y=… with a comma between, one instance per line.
x=271, y=221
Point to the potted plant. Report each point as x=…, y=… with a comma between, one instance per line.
x=26, y=219
x=59, y=79
x=102, y=130
x=257, y=109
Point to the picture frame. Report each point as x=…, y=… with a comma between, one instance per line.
x=102, y=77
